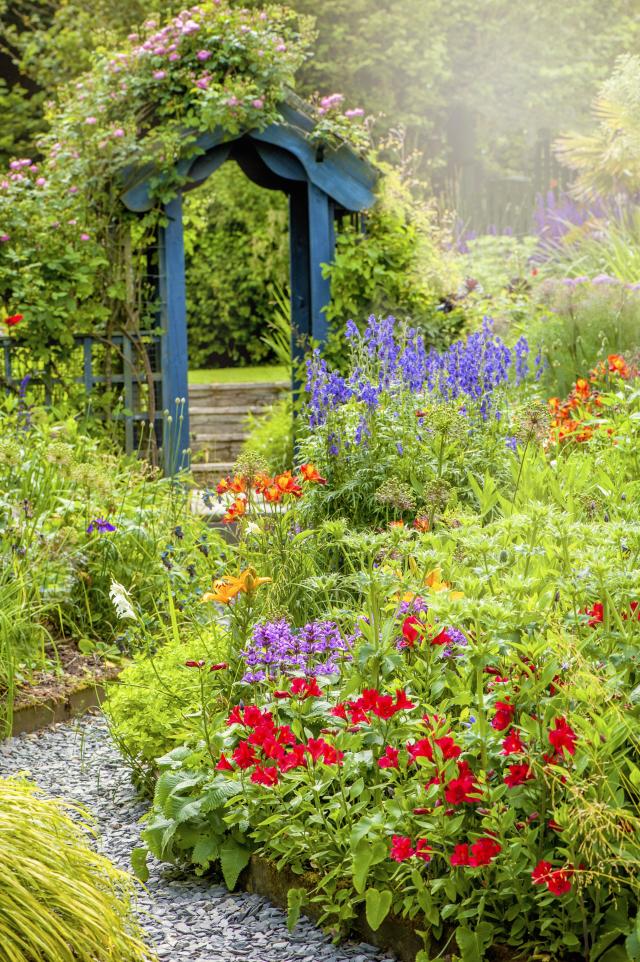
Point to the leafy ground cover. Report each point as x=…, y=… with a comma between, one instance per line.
x=416, y=681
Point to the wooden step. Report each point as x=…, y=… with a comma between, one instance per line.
x=218, y=447
x=250, y=395
x=209, y=419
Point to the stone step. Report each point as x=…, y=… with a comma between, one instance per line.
x=250, y=395
x=211, y=420
x=208, y=473
x=219, y=447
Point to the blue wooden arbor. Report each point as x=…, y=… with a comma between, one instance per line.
x=322, y=184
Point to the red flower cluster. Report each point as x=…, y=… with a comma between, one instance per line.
x=413, y=628
x=402, y=849
x=596, y=613
x=13, y=320
x=270, y=750
x=476, y=855
x=557, y=880
x=513, y=744
x=503, y=716
x=562, y=736
x=464, y=788
x=371, y=702
x=518, y=774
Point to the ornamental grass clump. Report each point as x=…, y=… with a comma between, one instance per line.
x=59, y=900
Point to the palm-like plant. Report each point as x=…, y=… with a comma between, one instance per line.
x=608, y=160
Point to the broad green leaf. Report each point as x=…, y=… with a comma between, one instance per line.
x=295, y=901
x=139, y=863
x=377, y=905
x=233, y=858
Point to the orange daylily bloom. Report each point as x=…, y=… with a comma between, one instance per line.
x=434, y=582
x=309, y=472
x=225, y=589
x=421, y=523
x=396, y=524
x=288, y=484
x=272, y=493
x=236, y=510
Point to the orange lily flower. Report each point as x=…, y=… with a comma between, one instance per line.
x=309, y=472
x=434, y=582
x=225, y=589
x=235, y=510
x=288, y=484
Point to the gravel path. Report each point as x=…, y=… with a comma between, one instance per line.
x=187, y=919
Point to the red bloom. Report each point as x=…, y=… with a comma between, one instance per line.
x=518, y=774
x=402, y=702
x=412, y=628
x=484, y=851
x=306, y=689
x=442, y=638
x=462, y=789
x=235, y=717
x=331, y=755
x=423, y=850
x=294, y=759
x=541, y=873
x=265, y=775
x=559, y=882
x=194, y=664
x=282, y=694
x=13, y=320
x=460, y=855
x=401, y=848
x=512, y=744
x=244, y=755
x=253, y=716
x=503, y=716
x=224, y=765
x=562, y=736
x=596, y=614
x=390, y=758
x=420, y=749
x=220, y=666
x=448, y=747
x=340, y=711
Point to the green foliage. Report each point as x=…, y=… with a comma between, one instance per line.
x=608, y=160
x=270, y=435
x=153, y=707
x=395, y=266
x=236, y=244
x=578, y=322
x=74, y=260
x=59, y=900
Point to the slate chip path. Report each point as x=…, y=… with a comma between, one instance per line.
x=187, y=919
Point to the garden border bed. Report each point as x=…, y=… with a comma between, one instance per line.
x=86, y=694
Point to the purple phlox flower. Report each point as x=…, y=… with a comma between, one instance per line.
x=101, y=525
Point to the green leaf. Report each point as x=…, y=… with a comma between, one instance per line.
x=233, y=858
x=295, y=901
x=377, y=905
x=205, y=850
x=361, y=865
x=473, y=944
x=139, y=863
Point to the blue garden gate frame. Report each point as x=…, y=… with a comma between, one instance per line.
x=321, y=184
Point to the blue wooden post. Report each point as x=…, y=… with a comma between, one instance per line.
x=299, y=274
x=175, y=365
x=321, y=242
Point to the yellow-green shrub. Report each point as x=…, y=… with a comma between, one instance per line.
x=59, y=900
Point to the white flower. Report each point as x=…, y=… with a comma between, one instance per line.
x=122, y=601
